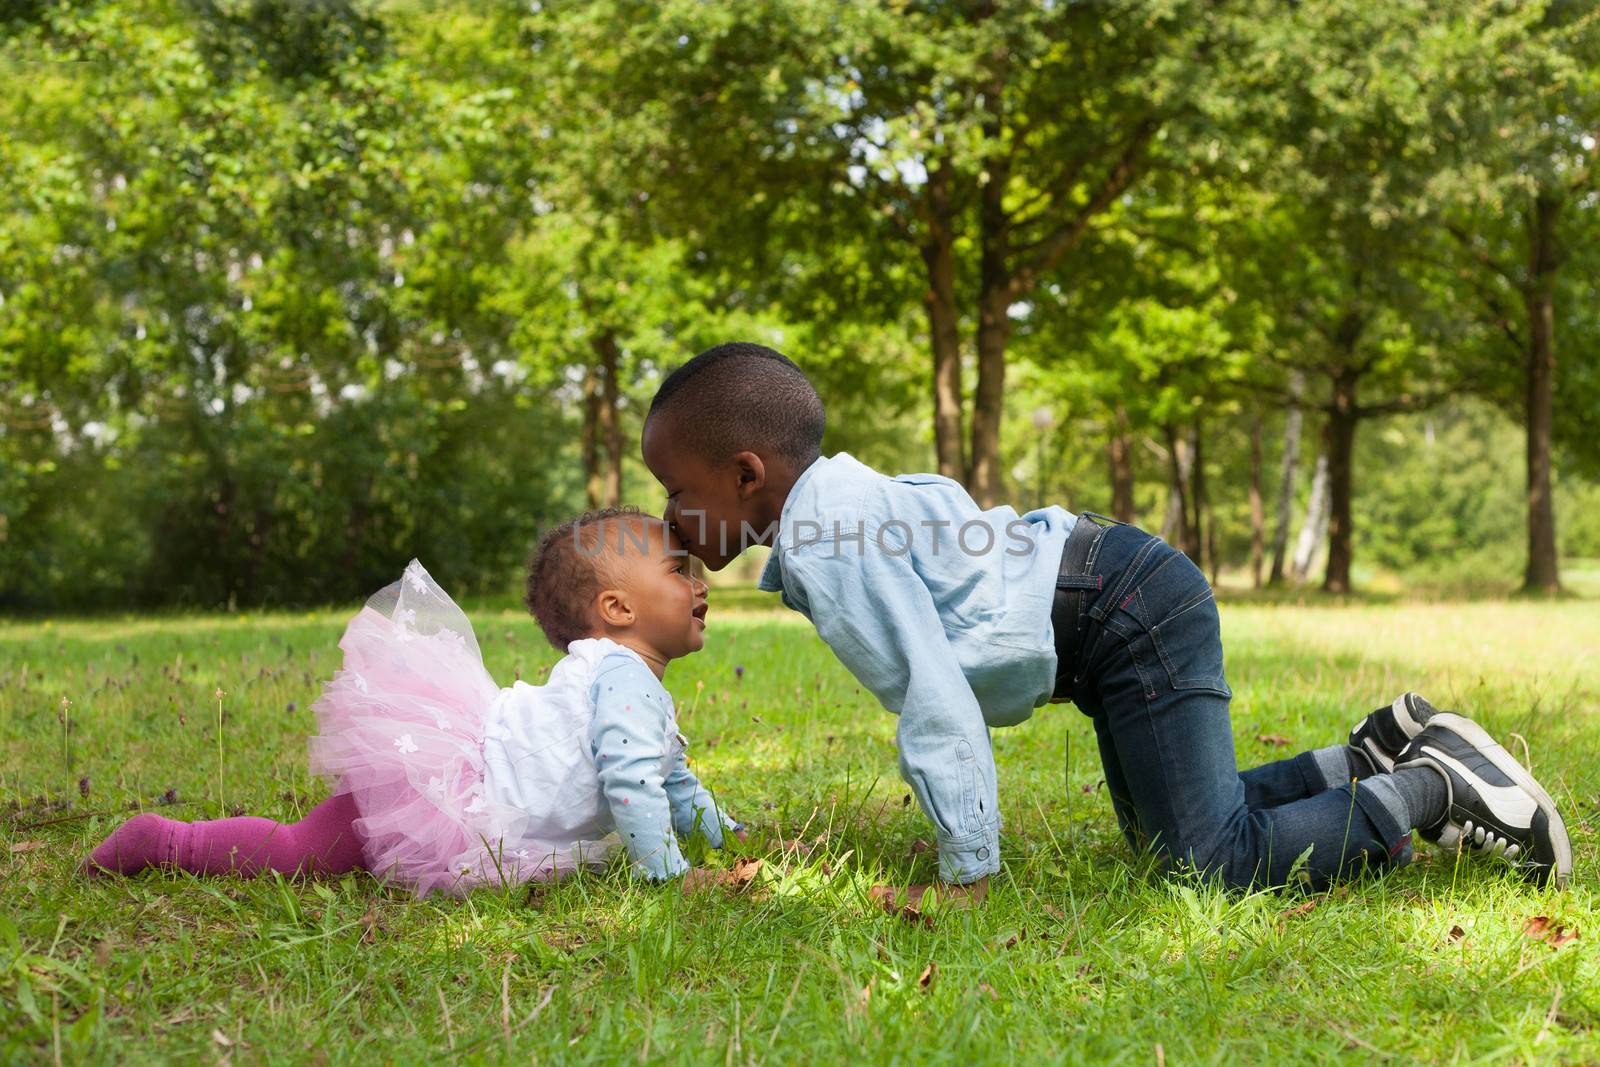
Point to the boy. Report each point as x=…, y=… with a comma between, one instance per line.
x=959, y=619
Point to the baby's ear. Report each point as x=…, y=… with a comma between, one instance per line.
x=612, y=608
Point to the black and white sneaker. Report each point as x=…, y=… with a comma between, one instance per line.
x=1381, y=735
x=1495, y=807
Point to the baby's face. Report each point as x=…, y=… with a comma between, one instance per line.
x=669, y=602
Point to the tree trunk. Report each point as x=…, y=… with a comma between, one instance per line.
x=994, y=329
x=1196, y=549
x=994, y=298
x=1258, y=518
x=610, y=425
x=1341, y=447
x=938, y=256
x=1315, y=527
x=1286, y=474
x=1119, y=449
x=602, y=426
x=1543, y=571
x=1175, y=530
x=591, y=436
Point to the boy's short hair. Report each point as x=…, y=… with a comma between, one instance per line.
x=742, y=396
x=571, y=564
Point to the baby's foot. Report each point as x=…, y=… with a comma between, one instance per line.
x=146, y=840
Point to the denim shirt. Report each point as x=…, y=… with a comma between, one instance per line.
x=942, y=611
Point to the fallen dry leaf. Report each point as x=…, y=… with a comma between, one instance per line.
x=1456, y=933
x=1274, y=739
x=744, y=872
x=887, y=898
x=370, y=925
x=985, y=987
x=1536, y=927
x=919, y=846
x=1305, y=907
x=925, y=979
x=1561, y=936
x=25, y=846
x=222, y=1039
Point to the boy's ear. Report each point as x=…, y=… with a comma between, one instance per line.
x=752, y=472
x=612, y=608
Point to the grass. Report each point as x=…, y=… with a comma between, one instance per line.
x=1080, y=954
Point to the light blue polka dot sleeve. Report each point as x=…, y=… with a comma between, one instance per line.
x=644, y=776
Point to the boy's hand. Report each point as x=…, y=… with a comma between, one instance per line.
x=948, y=894
x=742, y=835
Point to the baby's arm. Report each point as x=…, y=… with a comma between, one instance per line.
x=630, y=728
x=693, y=807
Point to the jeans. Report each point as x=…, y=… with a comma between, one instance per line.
x=1151, y=677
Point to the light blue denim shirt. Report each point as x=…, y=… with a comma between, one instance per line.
x=942, y=611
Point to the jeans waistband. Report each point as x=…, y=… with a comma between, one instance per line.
x=1077, y=586
x=1098, y=565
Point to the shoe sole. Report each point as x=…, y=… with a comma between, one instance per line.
x=1479, y=738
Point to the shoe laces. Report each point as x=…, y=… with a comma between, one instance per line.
x=1483, y=839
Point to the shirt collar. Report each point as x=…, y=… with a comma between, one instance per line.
x=771, y=580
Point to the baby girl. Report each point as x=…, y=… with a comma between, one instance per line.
x=443, y=780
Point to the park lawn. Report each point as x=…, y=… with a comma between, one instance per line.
x=1079, y=954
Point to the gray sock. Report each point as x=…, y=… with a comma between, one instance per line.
x=1426, y=794
x=1329, y=766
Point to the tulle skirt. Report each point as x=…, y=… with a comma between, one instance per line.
x=401, y=730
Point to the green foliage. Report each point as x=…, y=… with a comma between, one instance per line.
x=291, y=292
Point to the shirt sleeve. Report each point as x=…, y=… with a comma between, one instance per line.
x=879, y=618
x=693, y=807
x=630, y=730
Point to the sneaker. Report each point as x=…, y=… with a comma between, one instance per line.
x=1495, y=806
x=1381, y=735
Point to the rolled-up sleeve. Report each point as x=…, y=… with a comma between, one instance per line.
x=879, y=618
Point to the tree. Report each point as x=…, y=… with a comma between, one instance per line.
x=1525, y=82
x=1343, y=207
x=972, y=147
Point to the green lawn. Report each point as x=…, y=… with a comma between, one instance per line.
x=1079, y=954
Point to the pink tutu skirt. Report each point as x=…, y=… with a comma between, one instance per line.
x=401, y=730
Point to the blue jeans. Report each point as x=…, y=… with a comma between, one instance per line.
x=1151, y=677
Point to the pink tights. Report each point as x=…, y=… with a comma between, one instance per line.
x=324, y=842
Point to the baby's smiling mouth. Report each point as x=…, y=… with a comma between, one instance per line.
x=699, y=610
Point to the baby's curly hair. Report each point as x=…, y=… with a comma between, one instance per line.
x=569, y=568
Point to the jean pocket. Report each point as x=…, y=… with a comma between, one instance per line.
x=1189, y=643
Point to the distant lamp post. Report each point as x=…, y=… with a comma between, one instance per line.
x=1044, y=420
